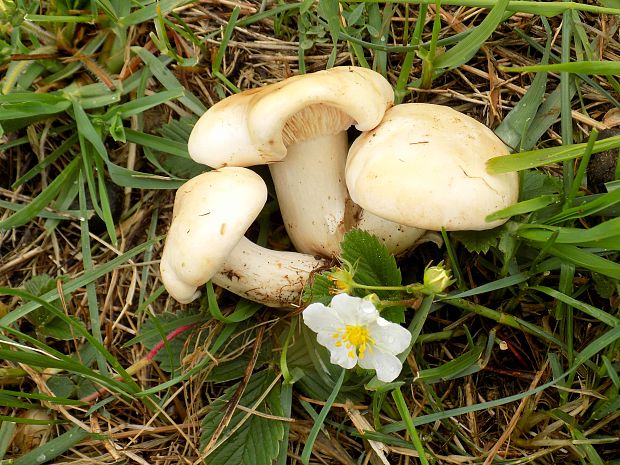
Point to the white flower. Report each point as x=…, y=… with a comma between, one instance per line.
x=354, y=333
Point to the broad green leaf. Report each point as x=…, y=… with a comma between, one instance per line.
x=321, y=289
x=535, y=183
x=374, y=264
x=248, y=439
x=479, y=241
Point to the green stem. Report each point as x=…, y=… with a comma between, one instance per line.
x=504, y=319
x=410, y=289
x=401, y=405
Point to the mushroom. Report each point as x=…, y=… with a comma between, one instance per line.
x=298, y=126
x=424, y=166
x=206, y=241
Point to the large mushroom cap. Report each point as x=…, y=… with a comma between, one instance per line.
x=211, y=214
x=255, y=126
x=424, y=166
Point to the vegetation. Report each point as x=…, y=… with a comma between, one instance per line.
x=518, y=363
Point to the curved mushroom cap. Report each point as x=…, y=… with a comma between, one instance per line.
x=211, y=214
x=255, y=126
x=424, y=166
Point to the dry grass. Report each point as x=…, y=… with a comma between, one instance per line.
x=168, y=432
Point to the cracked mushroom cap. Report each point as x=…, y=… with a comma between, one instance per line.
x=424, y=166
x=255, y=127
x=211, y=214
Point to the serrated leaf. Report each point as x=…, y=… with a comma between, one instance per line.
x=57, y=329
x=604, y=286
x=320, y=290
x=479, y=241
x=374, y=264
x=62, y=386
x=257, y=440
x=394, y=314
x=536, y=183
x=40, y=284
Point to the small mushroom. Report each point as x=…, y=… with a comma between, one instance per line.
x=206, y=240
x=299, y=127
x=424, y=166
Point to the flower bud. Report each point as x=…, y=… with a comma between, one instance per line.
x=373, y=299
x=343, y=279
x=436, y=279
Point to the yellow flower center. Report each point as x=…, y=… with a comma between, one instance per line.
x=355, y=338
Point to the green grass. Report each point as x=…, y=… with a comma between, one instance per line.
x=107, y=90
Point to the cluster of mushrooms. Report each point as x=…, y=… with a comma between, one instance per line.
x=415, y=167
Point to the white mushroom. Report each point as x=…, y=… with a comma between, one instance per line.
x=397, y=237
x=211, y=214
x=273, y=278
x=298, y=125
x=424, y=166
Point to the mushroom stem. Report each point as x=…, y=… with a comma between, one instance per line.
x=272, y=278
x=397, y=237
x=312, y=193
x=315, y=203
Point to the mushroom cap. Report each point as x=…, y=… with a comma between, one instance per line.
x=211, y=214
x=255, y=126
x=424, y=166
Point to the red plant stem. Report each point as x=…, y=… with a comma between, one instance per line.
x=174, y=333
x=143, y=361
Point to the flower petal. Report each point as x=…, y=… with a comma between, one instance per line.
x=354, y=310
x=337, y=355
x=319, y=318
x=387, y=366
x=389, y=337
